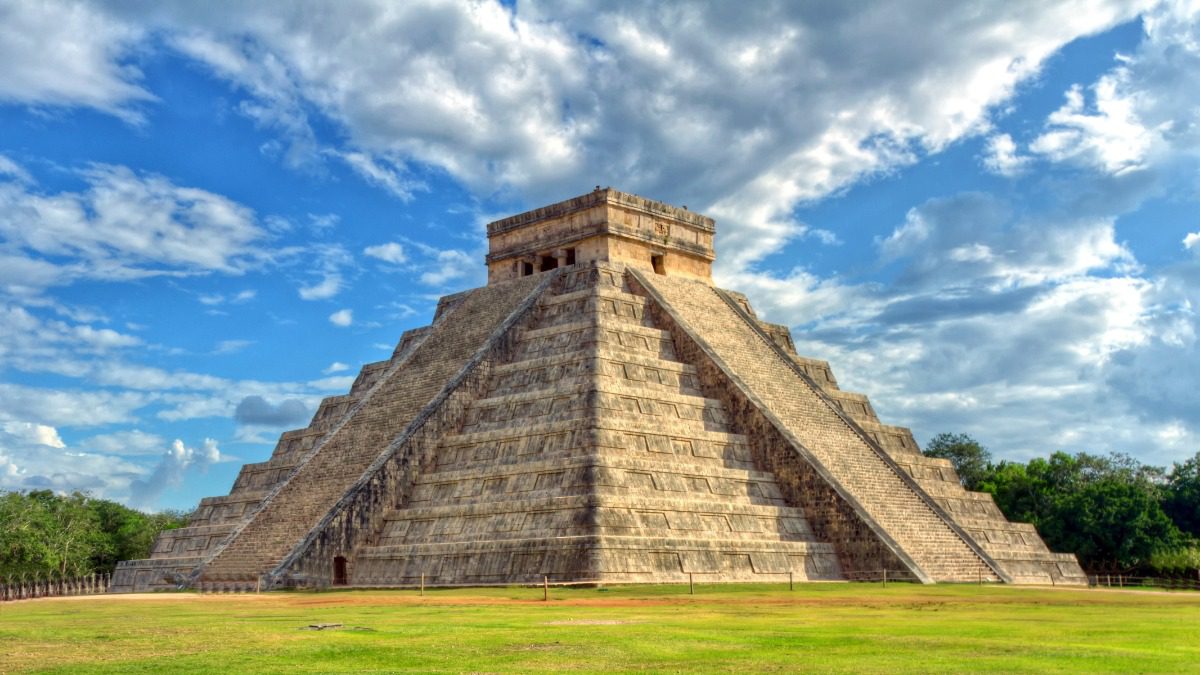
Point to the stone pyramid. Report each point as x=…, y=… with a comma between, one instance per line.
x=599, y=412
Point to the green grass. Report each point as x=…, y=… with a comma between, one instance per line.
x=824, y=627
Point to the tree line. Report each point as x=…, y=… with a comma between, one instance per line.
x=44, y=534
x=1113, y=512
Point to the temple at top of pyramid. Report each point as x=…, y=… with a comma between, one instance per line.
x=600, y=412
x=605, y=226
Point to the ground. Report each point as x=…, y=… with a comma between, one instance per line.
x=824, y=627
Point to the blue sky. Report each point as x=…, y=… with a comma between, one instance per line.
x=983, y=214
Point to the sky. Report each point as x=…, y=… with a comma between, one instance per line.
x=983, y=214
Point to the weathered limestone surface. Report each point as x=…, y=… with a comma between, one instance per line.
x=598, y=413
x=592, y=456
x=883, y=496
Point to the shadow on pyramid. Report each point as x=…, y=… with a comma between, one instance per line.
x=598, y=413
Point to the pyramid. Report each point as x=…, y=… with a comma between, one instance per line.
x=600, y=412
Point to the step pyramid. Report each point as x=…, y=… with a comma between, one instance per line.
x=598, y=413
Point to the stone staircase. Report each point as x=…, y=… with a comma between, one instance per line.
x=593, y=456
x=882, y=494
x=359, y=437
x=1016, y=547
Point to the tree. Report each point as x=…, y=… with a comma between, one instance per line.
x=971, y=460
x=1106, y=510
x=43, y=533
x=1182, y=498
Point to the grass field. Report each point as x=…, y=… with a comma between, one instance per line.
x=823, y=627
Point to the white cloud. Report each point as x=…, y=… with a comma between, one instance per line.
x=335, y=367
x=339, y=383
x=13, y=170
x=69, y=54
x=330, y=261
x=123, y=226
x=329, y=286
x=1001, y=156
x=231, y=346
x=342, y=317
x=36, y=434
x=685, y=103
x=60, y=407
x=26, y=465
x=1113, y=139
x=144, y=492
x=1032, y=332
x=215, y=299
x=387, y=176
x=443, y=266
x=1191, y=240
x=1143, y=112
x=131, y=442
x=390, y=252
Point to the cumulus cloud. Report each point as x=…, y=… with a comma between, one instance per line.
x=443, y=267
x=975, y=236
x=1112, y=138
x=692, y=104
x=36, y=434
x=1033, y=335
x=390, y=252
x=335, y=367
x=1192, y=240
x=169, y=472
x=69, y=54
x=744, y=114
x=33, y=456
x=257, y=411
x=1143, y=112
x=124, y=225
x=342, y=317
x=1001, y=156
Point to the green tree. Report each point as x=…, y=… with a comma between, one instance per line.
x=1182, y=498
x=43, y=533
x=971, y=460
x=1106, y=510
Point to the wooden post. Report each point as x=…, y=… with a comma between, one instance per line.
x=258, y=585
x=791, y=582
x=545, y=589
x=885, y=577
x=422, y=583
x=691, y=585
x=1120, y=581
